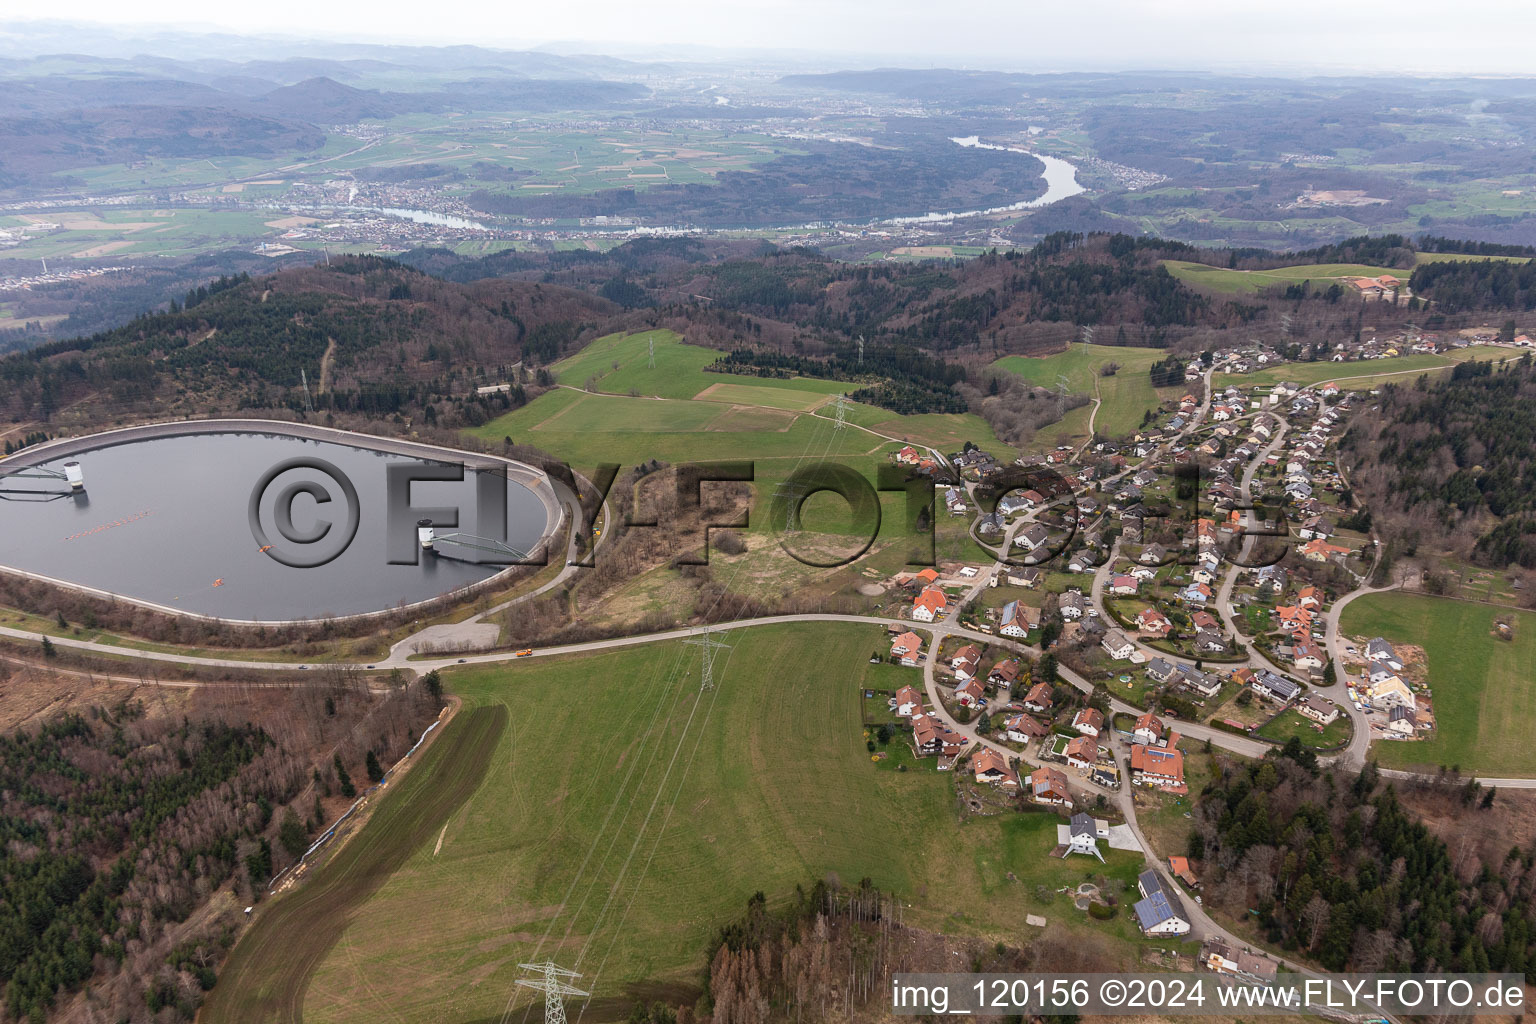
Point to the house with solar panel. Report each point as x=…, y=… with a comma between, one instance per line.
x=1160, y=911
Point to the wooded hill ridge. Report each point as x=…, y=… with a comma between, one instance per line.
x=379, y=337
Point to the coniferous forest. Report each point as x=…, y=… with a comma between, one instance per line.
x=1340, y=871
x=1453, y=459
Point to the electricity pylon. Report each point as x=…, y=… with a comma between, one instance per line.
x=553, y=988
x=707, y=646
x=861, y=350
x=1087, y=337
x=842, y=412
x=308, y=404
x=652, y=343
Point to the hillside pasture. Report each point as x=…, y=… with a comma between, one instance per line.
x=1484, y=690
x=625, y=815
x=1223, y=281
x=1124, y=397
x=1361, y=374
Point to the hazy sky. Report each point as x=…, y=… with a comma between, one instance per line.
x=1492, y=36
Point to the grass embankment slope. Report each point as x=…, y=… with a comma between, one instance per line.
x=1484, y=688
x=1124, y=397
x=677, y=412
x=272, y=964
x=618, y=848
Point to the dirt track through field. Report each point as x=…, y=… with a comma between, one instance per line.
x=268, y=973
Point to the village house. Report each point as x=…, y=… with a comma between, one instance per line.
x=1029, y=576
x=1117, y=645
x=1032, y=538
x=1210, y=642
x=1049, y=786
x=1004, y=673
x=1152, y=623
x=1159, y=767
x=1150, y=730
x=1322, y=551
x=1319, y=710
x=909, y=702
x=1391, y=692
x=969, y=693
x=932, y=738
x=1272, y=686
x=1400, y=721
x=965, y=662
x=1378, y=650
x=1196, y=593
x=1293, y=618
x=992, y=767
x=1017, y=619
x=1023, y=728
x=907, y=648
x=1089, y=721
x=1160, y=911
x=1082, y=753
x=1039, y=699
x=1081, y=834
x=929, y=604
x=1307, y=655
x=1216, y=955
x=1124, y=586
x=1161, y=670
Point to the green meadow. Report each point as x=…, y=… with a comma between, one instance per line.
x=612, y=405
x=1124, y=397
x=1484, y=689
x=625, y=815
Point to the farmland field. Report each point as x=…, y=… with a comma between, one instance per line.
x=551, y=158
x=117, y=232
x=1360, y=374
x=677, y=412
x=581, y=845
x=1248, y=282
x=586, y=429
x=1125, y=397
x=1484, y=690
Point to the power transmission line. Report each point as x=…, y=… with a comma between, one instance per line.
x=555, y=990
x=707, y=646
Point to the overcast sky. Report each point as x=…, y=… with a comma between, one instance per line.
x=1490, y=36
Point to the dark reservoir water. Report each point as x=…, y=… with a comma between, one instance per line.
x=167, y=521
